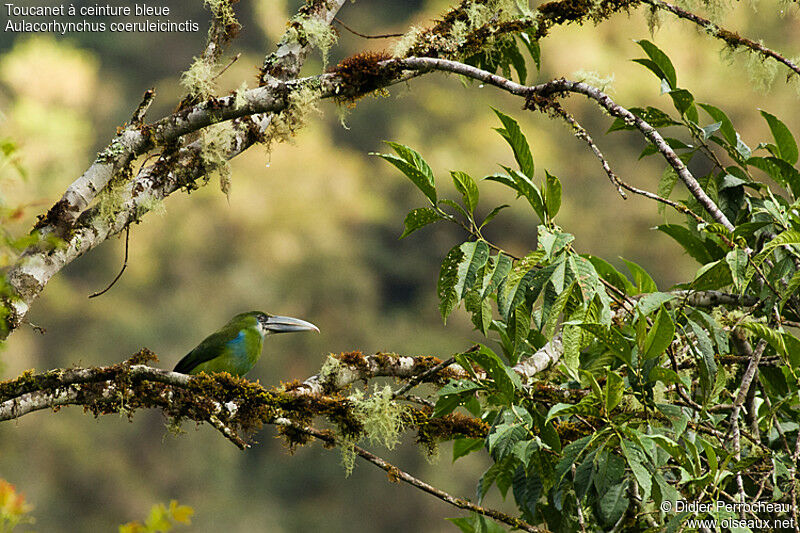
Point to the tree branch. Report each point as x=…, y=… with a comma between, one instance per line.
x=396, y=474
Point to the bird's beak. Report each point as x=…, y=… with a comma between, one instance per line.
x=286, y=324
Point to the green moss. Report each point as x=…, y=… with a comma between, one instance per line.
x=198, y=80
x=316, y=32
x=594, y=79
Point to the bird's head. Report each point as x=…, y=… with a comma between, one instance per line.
x=268, y=323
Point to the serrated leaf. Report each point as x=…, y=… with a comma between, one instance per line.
x=612, y=338
x=503, y=438
x=419, y=218
x=493, y=213
x=527, y=488
x=512, y=133
x=660, y=335
x=555, y=311
x=784, y=140
x=665, y=186
x=414, y=167
x=506, y=381
x=552, y=196
x=501, y=266
x=773, y=337
x=690, y=242
x=636, y=459
x=533, y=48
x=737, y=262
x=495, y=473
x=712, y=276
x=726, y=126
x=613, y=503
x=466, y=185
x=662, y=62
x=613, y=391
x=464, y=446
x=474, y=257
x=706, y=363
x=448, y=277
x=643, y=281
x=611, y=274
x=652, y=301
x=570, y=454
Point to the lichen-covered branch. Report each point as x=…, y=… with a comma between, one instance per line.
x=555, y=88
x=732, y=39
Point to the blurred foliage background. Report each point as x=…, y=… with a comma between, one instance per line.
x=310, y=230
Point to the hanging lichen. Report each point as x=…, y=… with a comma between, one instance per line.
x=301, y=102
x=198, y=80
x=217, y=141
x=316, y=32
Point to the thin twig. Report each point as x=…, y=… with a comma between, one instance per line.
x=233, y=60
x=124, y=265
x=397, y=474
x=354, y=32
x=138, y=116
x=416, y=380
x=731, y=38
x=582, y=134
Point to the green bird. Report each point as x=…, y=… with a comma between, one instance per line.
x=237, y=346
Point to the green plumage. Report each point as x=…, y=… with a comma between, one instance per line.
x=237, y=346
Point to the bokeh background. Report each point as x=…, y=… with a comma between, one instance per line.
x=310, y=230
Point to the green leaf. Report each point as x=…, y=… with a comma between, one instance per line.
x=726, y=126
x=570, y=455
x=513, y=135
x=496, y=473
x=665, y=185
x=611, y=274
x=690, y=242
x=779, y=170
x=480, y=310
x=613, y=503
x=474, y=257
x=682, y=100
x=500, y=267
x=664, y=68
x=652, y=301
x=467, y=187
x=652, y=115
x=613, y=391
x=448, y=277
x=737, y=262
x=527, y=488
x=773, y=337
x=414, y=167
x=612, y=338
x=644, y=283
x=712, y=276
x=504, y=437
x=524, y=186
x=464, y=446
x=552, y=195
x=419, y=218
x=493, y=213
x=660, y=335
x=787, y=147
x=706, y=364
x=555, y=311
x=506, y=381
x=533, y=48
x=636, y=459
